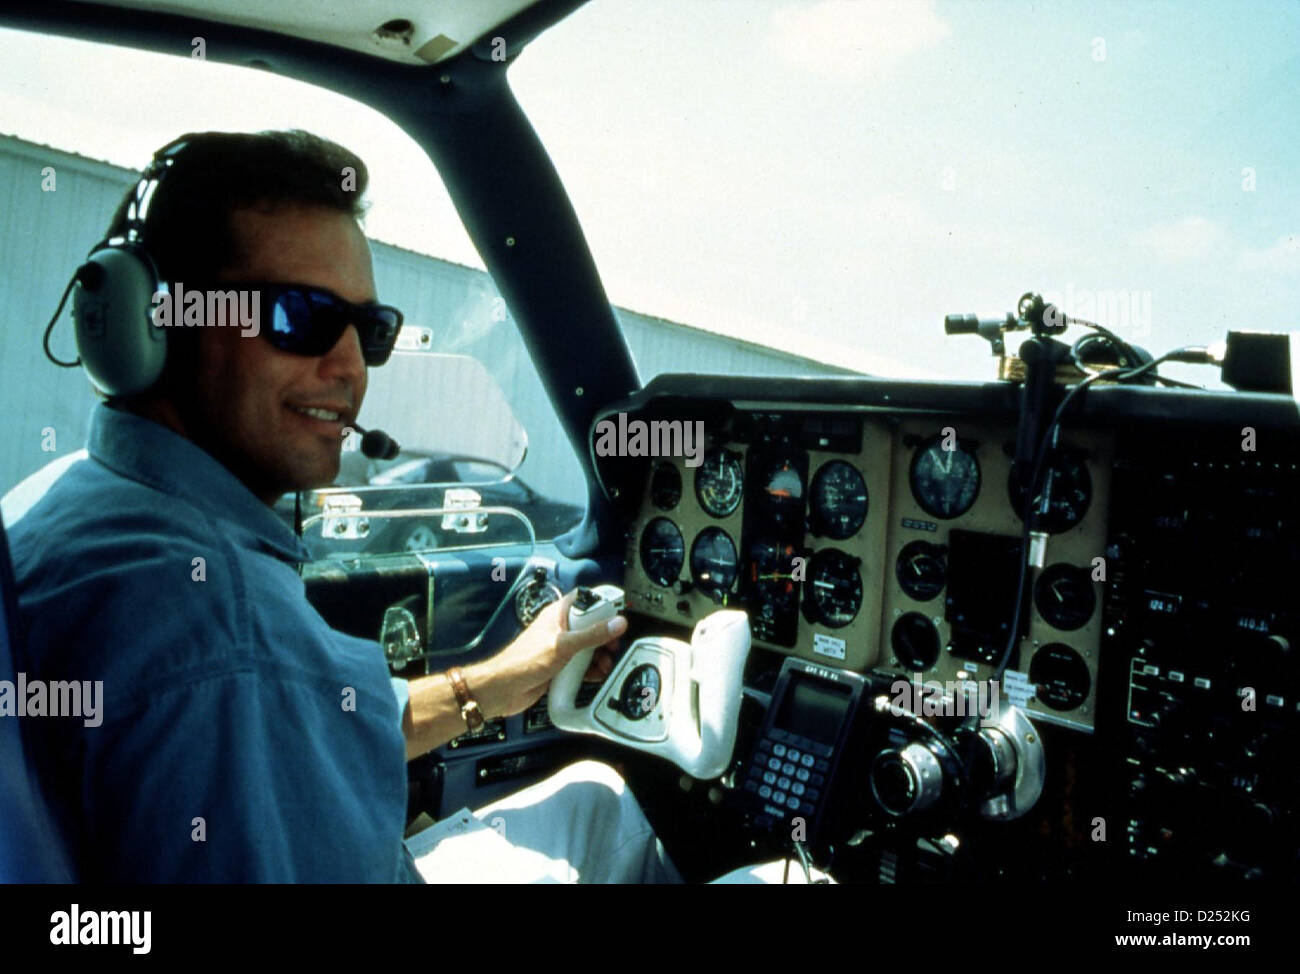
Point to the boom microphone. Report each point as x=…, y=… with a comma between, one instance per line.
x=376, y=444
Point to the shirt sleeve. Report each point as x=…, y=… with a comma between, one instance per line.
x=402, y=691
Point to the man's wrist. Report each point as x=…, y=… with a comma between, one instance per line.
x=478, y=678
x=470, y=711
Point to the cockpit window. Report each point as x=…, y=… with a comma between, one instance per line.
x=832, y=178
x=69, y=144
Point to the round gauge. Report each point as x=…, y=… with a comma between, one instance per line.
x=1069, y=487
x=922, y=569
x=944, y=482
x=713, y=562
x=719, y=482
x=836, y=587
x=915, y=641
x=771, y=572
x=1061, y=676
x=1064, y=596
x=535, y=596
x=663, y=551
x=839, y=500
x=640, y=694
x=665, y=487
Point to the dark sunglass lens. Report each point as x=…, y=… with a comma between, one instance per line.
x=290, y=321
x=304, y=322
x=328, y=321
x=379, y=333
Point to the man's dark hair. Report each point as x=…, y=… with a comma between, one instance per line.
x=187, y=223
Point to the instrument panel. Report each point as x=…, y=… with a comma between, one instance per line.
x=867, y=539
x=872, y=529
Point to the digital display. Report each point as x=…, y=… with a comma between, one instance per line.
x=982, y=573
x=814, y=709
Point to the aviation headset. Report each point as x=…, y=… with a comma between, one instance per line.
x=118, y=345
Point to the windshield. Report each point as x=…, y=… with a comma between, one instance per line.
x=833, y=178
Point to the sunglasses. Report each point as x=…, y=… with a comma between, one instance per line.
x=304, y=320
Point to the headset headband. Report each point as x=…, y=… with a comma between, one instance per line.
x=129, y=219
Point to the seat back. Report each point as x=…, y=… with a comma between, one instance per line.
x=31, y=848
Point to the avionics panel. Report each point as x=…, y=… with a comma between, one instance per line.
x=1202, y=693
x=952, y=563
x=871, y=539
x=784, y=516
x=1171, y=551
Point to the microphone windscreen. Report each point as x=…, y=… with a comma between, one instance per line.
x=378, y=445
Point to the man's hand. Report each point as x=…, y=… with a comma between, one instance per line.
x=515, y=678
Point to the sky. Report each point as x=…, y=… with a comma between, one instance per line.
x=832, y=177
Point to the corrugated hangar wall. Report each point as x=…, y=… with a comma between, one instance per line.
x=45, y=233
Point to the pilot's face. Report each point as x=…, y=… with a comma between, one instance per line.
x=249, y=393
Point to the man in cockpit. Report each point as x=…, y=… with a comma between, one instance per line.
x=242, y=738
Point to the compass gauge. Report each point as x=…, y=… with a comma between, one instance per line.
x=719, y=482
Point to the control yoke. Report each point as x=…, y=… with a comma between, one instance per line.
x=678, y=700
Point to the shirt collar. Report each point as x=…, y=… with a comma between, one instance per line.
x=151, y=454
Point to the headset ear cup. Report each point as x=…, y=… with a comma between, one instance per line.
x=121, y=349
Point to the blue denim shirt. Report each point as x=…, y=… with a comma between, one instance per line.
x=242, y=739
